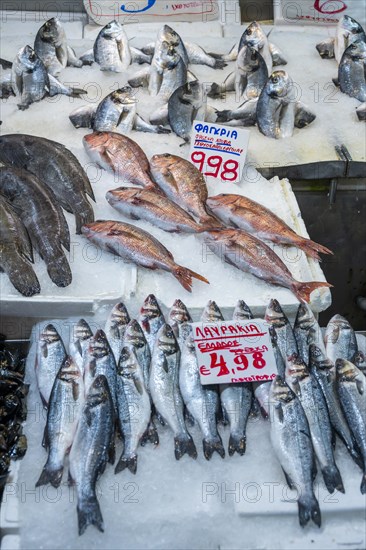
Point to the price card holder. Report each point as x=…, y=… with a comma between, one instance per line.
x=219, y=151
x=234, y=351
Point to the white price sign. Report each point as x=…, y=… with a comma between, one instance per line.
x=234, y=351
x=219, y=151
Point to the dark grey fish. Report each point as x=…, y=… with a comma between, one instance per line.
x=251, y=73
x=286, y=340
x=324, y=371
x=291, y=441
x=42, y=218
x=16, y=252
x=280, y=362
x=64, y=410
x=352, y=393
x=246, y=113
x=348, y=31
x=90, y=452
x=56, y=167
x=352, y=71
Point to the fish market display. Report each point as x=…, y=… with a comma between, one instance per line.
x=307, y=331
x=31, y=81
x=352, y=392
x=115, y=328
x=137, y=246
x=51, y=354
x=66, y=401
x=189, y=52
x=251, y=255
x=95, y=432
x=155, y=208
x=134, y=409
x=242, y=212
x=42, y=218
x=314, y=405
x=340, y=339
x=79, y=342
x=165, y=392
x=184, y=184
x=285, y=336
x=291, y=441
x=352, y=71
x=56, y=167
x=202, y=401
x=100, y=361
x=121, y=155
x=325, y=372
x=348, y=31
x=51, y=47
x=16, y=252
x=117, y=111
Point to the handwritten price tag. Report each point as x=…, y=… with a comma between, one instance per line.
x=234, y=351
x=219, y=151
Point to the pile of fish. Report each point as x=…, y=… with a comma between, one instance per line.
x=175, y=199
x=348, y=47
x=139, y=373
x=40, y=178
x=13, y=443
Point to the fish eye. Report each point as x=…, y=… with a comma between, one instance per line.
x=275, y=79
x=249, y=31
x=108, y=26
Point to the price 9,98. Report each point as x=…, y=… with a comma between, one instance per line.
x=215, y=166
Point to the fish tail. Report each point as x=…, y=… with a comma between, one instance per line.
x=59, y=270
x=363, y=484
x=219, y=63
x=223, y=116
x=151, y=435
x=209, y=222
x=303, y=290
x=184, y=444
x=312, y=249
x=25, y=280
x=50, y=476
x=89, y=514
x=332, y=479
x=237, y=443
x=76, y=92
x=82, y=218
x=124, y=462
x=309, y=509
x=212, y=445
x=185, y=275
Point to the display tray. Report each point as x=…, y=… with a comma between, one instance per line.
x=101, y=279
x=169, y=504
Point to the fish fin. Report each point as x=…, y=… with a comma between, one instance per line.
x=363, y=484
x=355, y=454
x=184, y=444
x=45, y=440
x=75, y=391
x=151, y=435
x=160, y=418
x=216, y=91
x=309, y=509
x=219, y=63
x=303, y=291
x=238, y=444
x=112, y=451
x=184, y=276
x=311, y=248
x=90, y=514
x=70, y=479
x=188, y=417
x=165, y=365
x=212, y=445
x=336, y=82
x=279, y=411
x=359, y=386
x=58, y=269
x=277, y=56
x=332, y=479
x=326, y=48
x=50, y=476
x=288, y=479
x=87, y=216
x=127, y=462
x=138, y=385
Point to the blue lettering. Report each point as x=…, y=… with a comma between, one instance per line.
x=150, y=4
x=198, y=127
x=234, y=134
x=223, y=132
x=205, y=129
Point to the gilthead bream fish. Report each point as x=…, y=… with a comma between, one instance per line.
x=121, y=155
x=135, y=245
x=64, y=411
x=16, y=252
x=153, y=207
x=312, y=400
x=236, y=400
x=134, y=408
x=43, y=219
x=111, y=48
x=352, y=71
x=184, y=184
x=251, y=255
x=291, y=441
x=244, y=213
x=90, y=451
x=348, y=31
x=56, y=167
x=165, y=392
x=50, y=355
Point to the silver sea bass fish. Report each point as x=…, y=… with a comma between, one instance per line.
x=99, y=360
x=66, y=401
x=352, y=393
x=179, y=319
x=310, y=395
x=340, y=339
x=134, y=408
x=325, y=372
x=115, y=328
x=79, y=342
x=291, y=441
x=286, y=340
x=90, y=451
x=201, y=401
x=151, y=320
x=307, y=331
x=50, y=355
x=164, y=387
